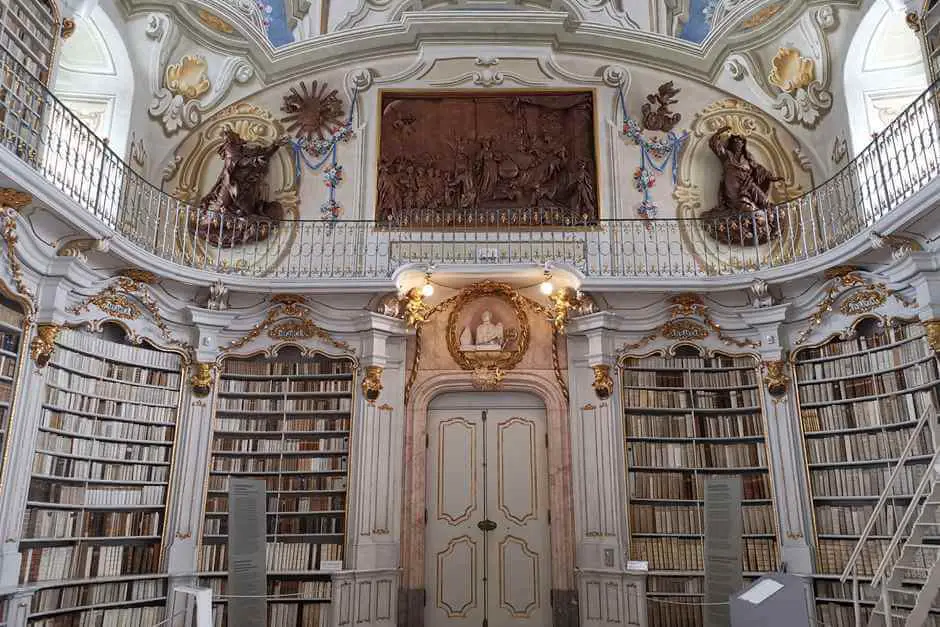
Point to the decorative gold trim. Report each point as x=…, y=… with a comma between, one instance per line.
x=563, y=301
x=775, y=377
x=43, y=344
x=14, y=198
x=16, y=269
x=588, y=407
x=683, y=330
x=603, y=384
x=932, y=328
x=372, y=383
x=203, y=379
x=67, y=29
x=417, y=311
x=113, y=300
x=386, y=407
x=141, y=276
x=290, y=320
x=870, y=298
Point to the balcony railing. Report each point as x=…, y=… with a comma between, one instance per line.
x=55, y=143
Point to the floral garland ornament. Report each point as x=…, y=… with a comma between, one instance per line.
x=655, y=156
x=316, y=118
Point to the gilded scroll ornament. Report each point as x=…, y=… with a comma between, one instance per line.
x=603, y=383
x=189, y=78
x=43, y=344
x=863, y=301
x=14, y=198
x=141, y=276
x=203, y=379
x=791, y=70
x=372, y=383
x=488, y=327
x=289, y=320
x=67, y=29
x=10, y=238
x=775, y=377
x=215, y=22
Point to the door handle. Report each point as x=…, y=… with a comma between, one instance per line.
x=486, y=525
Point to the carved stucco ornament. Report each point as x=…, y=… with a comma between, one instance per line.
x=372, y=383
x=10, y=238
x=78, y=248
x=791, y=70
x=43, y=344
x=603, y=383
x=203, y=379
x=775, y=377
x=289, y=320
x=932, y=327
x=14, y=198
x=183, y=92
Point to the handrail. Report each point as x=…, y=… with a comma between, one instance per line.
x=925, y=480
x=42, y=132
x=885, y=494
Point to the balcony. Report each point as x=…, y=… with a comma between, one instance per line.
x=46, y=146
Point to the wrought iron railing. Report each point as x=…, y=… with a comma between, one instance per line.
x=55, y=143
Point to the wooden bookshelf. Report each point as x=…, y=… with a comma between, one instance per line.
x=11, y=350
x=687, y=417
x=860, y=398
x=93, y=529
x=930, y=32
x=28, y=33
x=285, y=420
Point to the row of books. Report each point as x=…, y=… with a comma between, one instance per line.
x=102, y=368
x=268, y=424
x=286, y=503
x=866, y=446
x=692, y=399
x=869, y=385
x=324, y=523
x=832, y=589
x=101, y=449
x=85, y=561
x=284, y=386
x=279, y=556
x=87, y=344
x=696, y=454
x=299, y=588
x=106, y=408
x=46, y=599
x=671, y=613
x=689, y=363
x=107, y=617
x=286, y=406
x=851, y=519
x=9, y=342
x=675, y=585
x=835, y=615
x=282, y=614
x=52, y=465
x=7, y=366
x=833, y=555
x=330, y=463
x=286, y=445
x=83, y=426
x=145, y=395
x=11, y=317
x=862, y=414
x=256, y=368
x=289, y=483
x=864, y=480
x=690, y=486
x=861, y=365
x=690, y=519
x=863, y=343
x=718, y=380
x=757, y=555
x=700, y=426
x=58, y=523
x=50, y=491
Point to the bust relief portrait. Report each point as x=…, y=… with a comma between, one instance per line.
x=488, y=336
x=487, y=327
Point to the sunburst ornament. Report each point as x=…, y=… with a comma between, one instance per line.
x=310, y=112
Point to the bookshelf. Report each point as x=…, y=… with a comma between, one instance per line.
x=93, y=528
x=11, y=353
x=285, y=420
x=859, y=399
x=930, y=31
x=28, y=33
x=689, y=416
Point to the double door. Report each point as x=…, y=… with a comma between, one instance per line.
x=488, y=545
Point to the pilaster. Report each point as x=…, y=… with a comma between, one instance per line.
x=365, y=597
x=21, y=442
x=18, y=605
x=784, y=441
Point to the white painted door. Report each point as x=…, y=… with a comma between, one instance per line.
x=488, y=544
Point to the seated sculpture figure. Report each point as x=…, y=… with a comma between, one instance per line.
x=235, y=212
x=744, y=214
x=489, y=335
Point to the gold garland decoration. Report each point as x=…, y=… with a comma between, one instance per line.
x=16, y=269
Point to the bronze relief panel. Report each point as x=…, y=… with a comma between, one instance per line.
x=468, y=159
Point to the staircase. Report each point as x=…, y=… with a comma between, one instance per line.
x=908, y=575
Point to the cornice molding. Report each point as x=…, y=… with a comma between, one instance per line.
x=565, y=32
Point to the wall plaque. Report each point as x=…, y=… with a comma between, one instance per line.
x=487, y=160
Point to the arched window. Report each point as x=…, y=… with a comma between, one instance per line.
x=884, y=72
x=94, y=79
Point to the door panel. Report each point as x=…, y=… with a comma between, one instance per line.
x=488, y=551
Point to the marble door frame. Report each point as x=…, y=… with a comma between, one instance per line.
x=542, y=384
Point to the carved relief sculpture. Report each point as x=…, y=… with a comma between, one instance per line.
x=603, y=383
x=202, y=379
x=372, y=383
x=661, y=118
x=43, y=344
x=235, y=210
x=744, y=215
x=487, y=160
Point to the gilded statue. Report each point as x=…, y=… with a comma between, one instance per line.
x=235, y=211
x=744, y=214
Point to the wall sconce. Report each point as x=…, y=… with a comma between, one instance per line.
x=547, y=287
